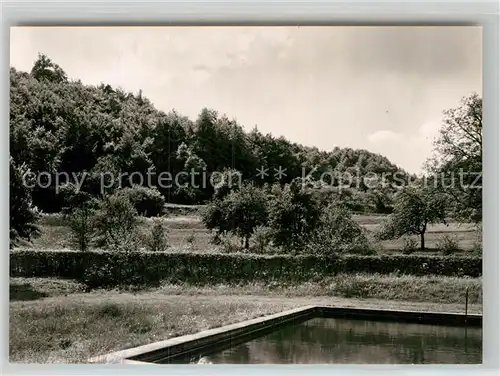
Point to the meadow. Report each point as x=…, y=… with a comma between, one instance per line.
x=187, y=233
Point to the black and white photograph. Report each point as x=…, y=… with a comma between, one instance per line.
x=246, y=195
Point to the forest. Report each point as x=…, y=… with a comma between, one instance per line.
x=58, y=125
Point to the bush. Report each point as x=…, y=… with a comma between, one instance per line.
x=227, y=245
x=338, y=232
x=261, y=238
x=148, y=202
x=109, y=269
x=448, y=245
x=410, y=245
x=81, y=224
x=191, y=238
x=23, y=215
x=116, y=224
x=213, y=216
x=157, y=240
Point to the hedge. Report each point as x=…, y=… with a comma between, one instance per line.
x=107, y=269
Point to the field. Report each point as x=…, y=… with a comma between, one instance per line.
x=187, y=233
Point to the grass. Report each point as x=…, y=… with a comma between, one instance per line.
x=23, y=289
x=55, y=234
x=53, y=321
x=75, y=328
x=430, y=289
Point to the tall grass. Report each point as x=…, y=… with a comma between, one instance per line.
x=72, y=330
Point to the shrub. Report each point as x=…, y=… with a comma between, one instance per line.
x=338, y=232
x=228, y=245
x=215, y=239
x=157, y=240
x=23, y=215
x=116, y=223
x=448, y=245
x=410, y=245
x=81, y=224
x=261, y=238
x=148, y=202
x=213, y=216
x=190, y=239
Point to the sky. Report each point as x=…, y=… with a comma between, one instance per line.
x=377, y=88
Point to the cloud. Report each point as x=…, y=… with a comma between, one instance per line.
x=383, y=136
x=398, y=146
x=429, y=130
x=200, y=67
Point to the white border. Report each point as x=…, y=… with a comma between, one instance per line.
x=258, y=12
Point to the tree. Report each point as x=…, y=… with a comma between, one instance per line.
x=293, y=216
x=226, y=182
x=214, y=218
x=45, y=69
x=81, y=221
x=73, y=197
x=79, y=212
x=414, y=209
x=457, y=162
x=23, y=215
x=461, y=134
x=245, y=209
x=168, y=134
x=239, y=212
x=187, y=186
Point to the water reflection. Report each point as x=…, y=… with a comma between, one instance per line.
x=329, y=340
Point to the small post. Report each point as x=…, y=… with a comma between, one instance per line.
x=466, y=307
x=466, y=303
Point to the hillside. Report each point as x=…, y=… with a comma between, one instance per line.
x=58, y=125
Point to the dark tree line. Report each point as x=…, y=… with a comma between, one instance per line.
x=61, y=125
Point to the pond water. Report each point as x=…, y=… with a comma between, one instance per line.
x=342, y=341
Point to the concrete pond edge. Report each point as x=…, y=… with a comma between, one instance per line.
x=172, y=347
